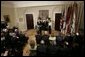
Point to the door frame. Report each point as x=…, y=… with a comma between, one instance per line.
x=55, y=20
x=26, y=20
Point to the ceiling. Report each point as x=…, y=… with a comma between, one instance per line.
x=33, y=3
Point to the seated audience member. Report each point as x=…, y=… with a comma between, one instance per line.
x=65, y=51
x=16, y=31
x=69, y=39
x=38, y=38
x=22, y=39
x=32, y=44
x=7, y=26
x=41, y=49
x=45, y=37
x=52, y=49
x=76, y=50
x=78, y=45
x=14, y=52
x=3, y=43
x=12, y=41
x=52, y=38
x=14, y=28
x=5, y=30
x=78, y=38
x=7, y=37
x=32, y=48
x=3, y=24
x=59, y=39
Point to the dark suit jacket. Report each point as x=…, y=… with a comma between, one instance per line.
x=46, y=39
x=52, y=50
x=41, y=50
x=38, y=38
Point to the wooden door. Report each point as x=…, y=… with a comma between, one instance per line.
x=57, y=21
x=29, y=20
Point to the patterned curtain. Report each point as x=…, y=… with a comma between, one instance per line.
x=68, y=19
x=74, y=24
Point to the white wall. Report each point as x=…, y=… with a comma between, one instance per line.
x=8, y=11
x=81, y=16
x=21, y=13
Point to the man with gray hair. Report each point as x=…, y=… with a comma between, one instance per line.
x=41, y=49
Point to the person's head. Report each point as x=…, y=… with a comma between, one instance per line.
x=45, y=32
x=7, y=26
x=66, y=43
x=52, y=35
x=77, y=34
x=68, y=34
x=16, y=30
x=49, y=18
x=12, y=34
x=42, y=42
x=5, y=30
x=32, y=43
x=17, y=37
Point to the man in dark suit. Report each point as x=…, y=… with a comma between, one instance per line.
x=45, y=25
x=22, y=39
x=39, y=23
x=68, y=38
x=7, y=38
x=50, y=24
x=41, y=49
x=52, y=49
x=3, y=24
x=45, y=37
x=78, y=38
x=38, y=38
x=3, y=42
x=59, y=39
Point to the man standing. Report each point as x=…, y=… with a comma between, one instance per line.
x=50, y=24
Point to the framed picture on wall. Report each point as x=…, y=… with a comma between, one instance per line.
x=43, y=14
x=20, y=19
x=6, y=18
